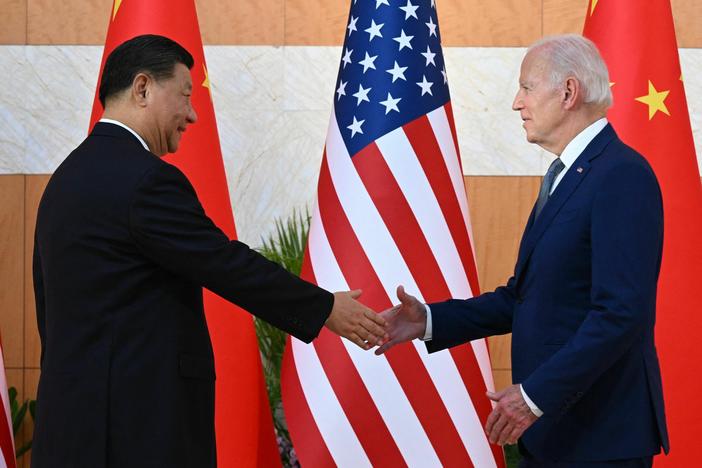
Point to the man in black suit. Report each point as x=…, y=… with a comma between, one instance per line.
x=122, y=251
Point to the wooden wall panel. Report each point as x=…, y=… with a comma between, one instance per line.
x=241, y=22
x=12, y=268
x=317, y=22
x=14, y=22
x=35, y=185
x=499, y=208
x=687, y=15
x=564, y=16
x=507, y=23
x=67, y=21
x=503, y=379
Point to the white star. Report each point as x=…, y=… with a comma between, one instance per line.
x=429, y=55
x=368, y=62
x=390, y=104
x=374, y=30
x=425, y=85
x=403, y=40
x=432, y=27
x=342, y=89
x=397, y=72
x=352, y=25
x=355, y=127
x=433, y=4
x=443, y=72
x=361, y=95
x=381, y=2
x=410, y=10
x=347, y=58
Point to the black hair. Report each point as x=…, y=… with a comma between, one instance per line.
x=151, y=54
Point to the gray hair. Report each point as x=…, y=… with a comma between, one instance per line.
x=577, y=56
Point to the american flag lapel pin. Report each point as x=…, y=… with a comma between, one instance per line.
x=580, y=170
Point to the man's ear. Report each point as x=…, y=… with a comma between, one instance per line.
x=571, y=92
x=140, y=88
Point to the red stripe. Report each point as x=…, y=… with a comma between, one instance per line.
x=309, y=445
x=426, y=147
x=406, y=363
x=348, y=386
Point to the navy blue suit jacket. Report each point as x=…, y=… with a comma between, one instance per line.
x=581, y=307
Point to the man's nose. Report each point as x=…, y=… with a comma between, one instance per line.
x=192, y=116
x=517, y=104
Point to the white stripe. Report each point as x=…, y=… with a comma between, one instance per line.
x=449, y=383
x=375, y=371
x=335, y=428
x=389, y=265
x=415, y=187
x=440, y=125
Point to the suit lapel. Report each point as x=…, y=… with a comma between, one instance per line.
x=575, y=175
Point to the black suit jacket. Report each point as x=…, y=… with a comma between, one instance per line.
x=122, y=251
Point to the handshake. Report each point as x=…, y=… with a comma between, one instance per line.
x=356, y=322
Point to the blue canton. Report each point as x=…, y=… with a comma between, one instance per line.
x=392, y=69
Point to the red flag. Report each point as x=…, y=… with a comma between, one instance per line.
x=392, y=210
x=243, y=421
x=7, y=441
x=637, y=41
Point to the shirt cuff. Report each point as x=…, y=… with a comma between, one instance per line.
x=427, y=331
x=532, y=406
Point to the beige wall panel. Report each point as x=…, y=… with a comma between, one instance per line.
x=12, y=267
x=68, y=21
x=316, y=22
x=241, y=22
x=14, y=23
x=500, y=349
x=564, y=16
x=503, y=379
x=499, y=208
x=505, y=23
x=688, y=22
x=35, y=185
x=31, y=380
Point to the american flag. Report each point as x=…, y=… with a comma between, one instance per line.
x=391, y=210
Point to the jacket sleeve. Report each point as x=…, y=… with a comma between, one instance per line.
x=626, y=244
x=171, y=228
x=39, y=300
x=458, y=321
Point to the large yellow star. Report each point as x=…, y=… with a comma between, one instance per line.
x=655, y=101
x=592, y=6
x=206, y=83
x=115, y=8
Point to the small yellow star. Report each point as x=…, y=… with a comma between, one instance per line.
x=611, y=83
x=115, y=8
x=592, y=6
x=206, y=83
x=655, y=101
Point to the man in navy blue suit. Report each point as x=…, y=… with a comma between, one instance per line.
x=581, y=303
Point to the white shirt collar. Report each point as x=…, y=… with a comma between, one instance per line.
x=120, y=124
x=577, y=145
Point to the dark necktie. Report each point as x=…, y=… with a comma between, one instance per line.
x=553, y=170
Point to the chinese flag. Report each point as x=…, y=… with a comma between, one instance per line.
x=7, y=442
x=637, y=40
x=243, y=421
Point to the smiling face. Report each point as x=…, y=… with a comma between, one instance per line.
x=539, y=103
x=170, y=110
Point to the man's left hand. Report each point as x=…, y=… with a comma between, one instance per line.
x=510, y=417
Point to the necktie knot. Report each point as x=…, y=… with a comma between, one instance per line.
x=545, y=191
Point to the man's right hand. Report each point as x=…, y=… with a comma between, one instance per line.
x=406, y=321
x=356, y=322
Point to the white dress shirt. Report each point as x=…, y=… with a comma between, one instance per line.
x=570, y=153
x=120, y=124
